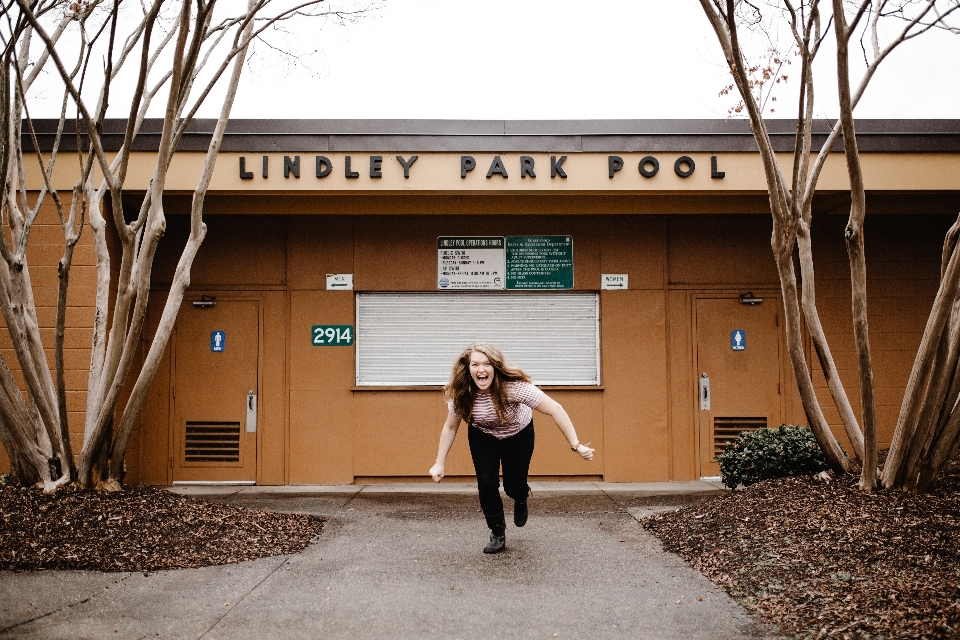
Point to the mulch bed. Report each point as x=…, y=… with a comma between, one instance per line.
x=827, y=560
x=138, y=529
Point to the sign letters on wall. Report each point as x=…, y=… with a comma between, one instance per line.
x=375, y=166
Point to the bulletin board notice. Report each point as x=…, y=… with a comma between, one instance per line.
x=470, y=262
x=539, y=262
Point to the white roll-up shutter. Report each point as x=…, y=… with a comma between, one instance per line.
x=406, y=339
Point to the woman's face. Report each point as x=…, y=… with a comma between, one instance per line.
x=481, y=370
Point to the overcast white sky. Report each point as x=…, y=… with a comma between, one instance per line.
x=554, y=59
x=549, y=59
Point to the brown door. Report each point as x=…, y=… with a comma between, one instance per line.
x=738, y=366
x=215, y=392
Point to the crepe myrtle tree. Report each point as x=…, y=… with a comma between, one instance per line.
x=929, y=424
x=179, y=52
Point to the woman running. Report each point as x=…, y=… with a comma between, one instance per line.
x=497, y=400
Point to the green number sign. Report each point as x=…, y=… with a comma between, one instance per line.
x=332, y=335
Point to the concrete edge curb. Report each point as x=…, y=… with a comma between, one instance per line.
x=612, y=489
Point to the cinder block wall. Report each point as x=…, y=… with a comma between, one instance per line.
x=45, y=248
x=903, y=272
x=44, y=251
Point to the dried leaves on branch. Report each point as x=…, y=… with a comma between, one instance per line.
x=829, y=560
x=179, y=56
x=139, y=529
x=864, y=33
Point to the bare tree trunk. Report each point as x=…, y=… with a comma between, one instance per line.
x=63, y=271
x=806, y=37
x=125, y=332
x=34, y=425
x=820, y=345
x=95, y=390
x=787, y=220
x=947, y=430
x=943, y=446
x=99, y=471
x=932, y=404
x=24, y=332
x=818, y=422
x=895, y=472
x=855, y=250
x=936, y=429
x=25, y=469
x=27, y=457
x=929, y=423
x=181, y=281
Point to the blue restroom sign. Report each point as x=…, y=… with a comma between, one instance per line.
x=218, y=341
x=738, y=340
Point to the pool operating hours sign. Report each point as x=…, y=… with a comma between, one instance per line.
x=470, y=262
x=539, y=262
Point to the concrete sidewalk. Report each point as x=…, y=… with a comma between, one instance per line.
x=404, y=561
x=705, y=487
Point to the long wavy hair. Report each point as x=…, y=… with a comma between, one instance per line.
x=463, y=390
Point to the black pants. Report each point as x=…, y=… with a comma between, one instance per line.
x=488, y=454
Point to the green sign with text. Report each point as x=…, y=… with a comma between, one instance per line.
x=332, y=335
x=539, y=262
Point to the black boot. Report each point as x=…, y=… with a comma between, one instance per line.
x=520, y=513
x=498, y=538
x=496, y=544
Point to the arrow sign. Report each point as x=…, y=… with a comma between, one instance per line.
x=342, y=281
x=614, y=281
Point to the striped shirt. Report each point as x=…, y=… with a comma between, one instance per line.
x=523, y=399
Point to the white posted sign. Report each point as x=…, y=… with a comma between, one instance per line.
x=613, y=281
x=342, y=281
x=470, y=262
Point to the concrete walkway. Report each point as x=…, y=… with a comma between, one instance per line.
x=404, y=561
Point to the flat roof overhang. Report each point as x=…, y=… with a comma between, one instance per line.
x=368, y=158
x=506, y=136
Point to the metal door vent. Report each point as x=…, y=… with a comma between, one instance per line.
x=726, y=430
x=212, y=442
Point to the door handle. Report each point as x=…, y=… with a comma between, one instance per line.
x=251, y=412
x=704, y=392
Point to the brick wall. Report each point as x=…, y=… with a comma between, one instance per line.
x=45, y=249
x=903, y=268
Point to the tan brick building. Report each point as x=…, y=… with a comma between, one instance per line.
x=619, y=262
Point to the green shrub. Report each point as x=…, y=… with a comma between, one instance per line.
x=770, y=453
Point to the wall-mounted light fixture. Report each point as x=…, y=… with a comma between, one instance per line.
x=205, y=302
x=745, y=298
